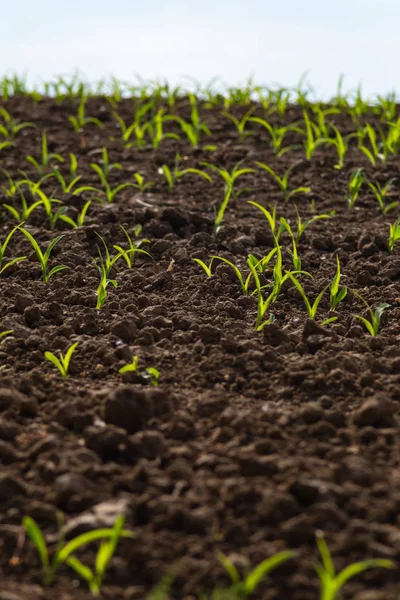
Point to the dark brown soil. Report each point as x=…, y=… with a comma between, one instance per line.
x=253, y=440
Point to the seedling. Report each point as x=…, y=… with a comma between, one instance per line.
x=356, y=181
x=43, y=257
x=11, y=127
x=80, y=220
x=372, y=324
x=394, y=233
x=3, y=248
x=103, y=284
x=381, y=192
x=195, y=127
x=332, y=583
x=294, y=253
x=140, y=184
x=134, y=248
x=277, y=135
x=7, y=332
x=172, y=176
x=243, y=588
x=206, y=268
x=341, y=144
x=283, y=182
x=22, y=215
x=240, y=124
x=65, y=552
x=262, y=305
x=270, y=216
x=150, y=373
x=62, y=363
x=313, y=138
x=81, y=120
x=337, y=294
x=311, y=308
x=46, y=157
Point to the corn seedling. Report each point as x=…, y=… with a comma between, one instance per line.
x=341, y=144
x=140, y=184
x=381, y=192
x=311, y=308
x=47, y=204
x=43, y=257
x=283, y=182
x=150, y=373
x=65, y=552
x=277, y=135
x=46, y=157
x=240, y=124
x=262, y=305
x=172, y=176
x=302, y=225
x=313, y=136
x=3, y=247
x=136, y=128
x=7, y=332
x=372, y=324
x=321, y=114
x=376, y=150
x=332, y=583
x=206, y=268
x=10, y=127
x=356, y=181
x=243, y=588
x=80, y=121
x=195, y=127
x=68, y=187
x=24, y=213
x=133, y=246
x=244, y=283
x=337, y=294
x=394, y=233
x=80, y=219
x=62, y=363
x=270, y=216
x=293, y=253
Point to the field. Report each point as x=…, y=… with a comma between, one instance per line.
x=199, y=343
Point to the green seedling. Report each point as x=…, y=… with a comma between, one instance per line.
x=81, y=120
x=140, y=184
x=378, y=150
x=332, y=583
x=7, y=332
x=311, y=308
x=244, y=282
x=341, y=144
x=103, y=284
x=193, y=129
x=134, y=246
x=277, y=135
x=136, y=128
x=47, y=204
x=172, y=176
x=69, y=187
x=240, y=124
x=394, y=234
x=356, y=181
x=3, y=247
x=46, y=158
x=80, y=220
x=150, y=373
x=313, y=136
x=65, y=552
x=262, y=305
x=321, y=114
x=381, y=193
x=294, y=253
x=337, y=294
x=24, y=213
x=283, y=182
x=271, y=218
x=302, y=225
x=62, y=363
x=11, y=127
x=372, y=324
x=206, y=268
x=243, y=588
x=43, y=258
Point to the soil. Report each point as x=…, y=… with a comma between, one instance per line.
x=253, y=440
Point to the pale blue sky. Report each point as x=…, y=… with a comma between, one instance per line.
x=275, y=41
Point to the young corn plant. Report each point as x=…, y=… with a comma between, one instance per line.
x=133, y=246
x=283, y=182
x=150, y=373
x=107, y=191
x=206, y=268
x=137, y=128
x=377, y=150
x=68, y=187
x=47, y=203
x=173, y=175
x=394, y=234
x=372, y=324
x=277, y=135
x=332, y=583
x=293, y=253
x=141, y=184
x=311, y=308
x=337, y=294
x=65, y=552
x=62, y=363
x=3, y=247
x=229, y=179
x=271, y=217
x=321, y=114
x=313, y=136
x=80, y=219
x=43, y=257
x=240, y=124
x=10, y=127
x=21, y=215
x=302, y=225
x=381, y=193
x=244, y=587
x=341, y=144
x=194, y=128
x=262, y=304
x=357, y=179
x=44, y=162
x=80, y=121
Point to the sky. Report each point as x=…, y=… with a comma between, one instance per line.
x=275, y=42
